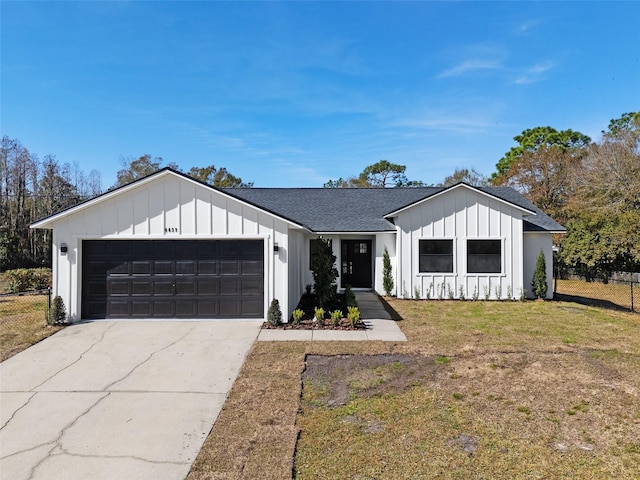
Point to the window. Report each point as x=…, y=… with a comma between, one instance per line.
x=484, y=256
x=436, y=256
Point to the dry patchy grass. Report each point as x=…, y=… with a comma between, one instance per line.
x=480, y=390
x=22, y=323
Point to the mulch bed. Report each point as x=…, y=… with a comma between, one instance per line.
x=311, y=325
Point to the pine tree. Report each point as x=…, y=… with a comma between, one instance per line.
x=387, y=277
x=539, y=282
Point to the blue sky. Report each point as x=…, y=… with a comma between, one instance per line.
x=294, y=94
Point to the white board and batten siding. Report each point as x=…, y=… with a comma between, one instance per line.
x=460, y=214
x=167, y=207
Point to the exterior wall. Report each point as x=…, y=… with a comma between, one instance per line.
x=168, y=207
x=533, y=243
x=460, y=214
x=298, y=265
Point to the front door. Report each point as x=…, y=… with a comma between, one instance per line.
x=356, y=263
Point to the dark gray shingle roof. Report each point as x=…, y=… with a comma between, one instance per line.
x=363, y=209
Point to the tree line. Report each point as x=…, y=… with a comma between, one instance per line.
x=32, y=188
x=592, y=187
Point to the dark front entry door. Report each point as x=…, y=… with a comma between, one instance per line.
x=356, y=263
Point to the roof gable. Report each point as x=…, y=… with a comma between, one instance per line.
x=457, y=186
x=141, y=183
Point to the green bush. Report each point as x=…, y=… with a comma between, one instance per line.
x=353, y=316
x=318, y=315
x=24, y=279
x=349, y=297
x=58, y=312
x=297, y=315
x=324, y=272
x=539, y=282
x=387, y=277
x=274, y=315
x=336, y=316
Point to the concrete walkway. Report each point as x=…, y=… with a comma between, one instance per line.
x=379, y=324
x=117, y=400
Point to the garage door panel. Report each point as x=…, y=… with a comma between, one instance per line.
x=163, y=287
x=252, y=307
x=208, y=286
x=229, y=286
x=173, y=278
x=207, y=267
x=229, y=267
x=251, y=267
x=118, y=286
x=141, y=287
x=185, y=267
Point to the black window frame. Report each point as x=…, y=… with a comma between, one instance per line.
x=484, y=256
x=431, y=249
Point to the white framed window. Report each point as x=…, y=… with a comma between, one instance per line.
x=435, y=256
x=484, y=255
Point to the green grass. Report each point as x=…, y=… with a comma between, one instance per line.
x=22, y=323
x=501, y=373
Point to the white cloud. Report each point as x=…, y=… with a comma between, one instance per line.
x=471, y=66
x=535, y=73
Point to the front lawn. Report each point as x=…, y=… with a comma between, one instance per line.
x=480, y=390
x=22, y=323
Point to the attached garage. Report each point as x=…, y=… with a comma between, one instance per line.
x=172, y=279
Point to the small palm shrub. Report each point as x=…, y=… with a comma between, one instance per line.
x=274, y=314
x=353, y=315
x=297, y=315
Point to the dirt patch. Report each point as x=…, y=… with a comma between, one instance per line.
x=334, y=380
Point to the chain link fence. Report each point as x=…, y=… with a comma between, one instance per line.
x=622, y=292
x=23, y=320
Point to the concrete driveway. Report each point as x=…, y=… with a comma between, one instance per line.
x=117, y=400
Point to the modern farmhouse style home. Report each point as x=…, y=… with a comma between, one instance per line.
x=168, y=246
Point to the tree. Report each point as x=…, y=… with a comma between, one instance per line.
x=603, y=235
x=324, y=272
x=471, y=177
x=532, y=139
x=539, y=282
x=218, y=177
x=133, y=169
x=381, y=174
x=545, y=177
x=387, y=277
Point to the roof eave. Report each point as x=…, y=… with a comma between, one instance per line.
x=395, y=213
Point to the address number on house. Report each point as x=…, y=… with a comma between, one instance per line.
x=170, y=230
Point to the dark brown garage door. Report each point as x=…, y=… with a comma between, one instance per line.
x=172, y=279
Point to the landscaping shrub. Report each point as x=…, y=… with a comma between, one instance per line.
x=353, y=316
x=349, y=297
x=539, y=282
x=274, y=314
x=58, y=313
x=24, y=279
x=297, y=315
x=324, y=272
x=387, y=277
x=319, y=315
x=336, y=316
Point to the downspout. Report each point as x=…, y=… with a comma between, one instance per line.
x=398, y=260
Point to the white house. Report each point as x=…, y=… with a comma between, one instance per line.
x=168, y=246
